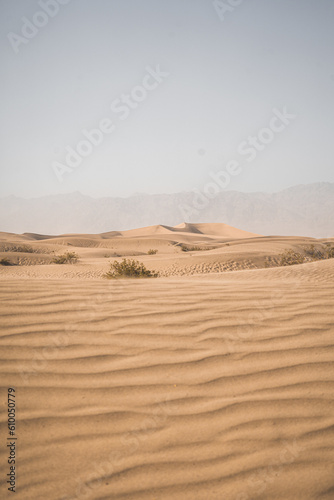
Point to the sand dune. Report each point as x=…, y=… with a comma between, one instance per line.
x=215, y=229
x=186, y=249
x=212, y=386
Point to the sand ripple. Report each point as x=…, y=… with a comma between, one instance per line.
x=212, y=387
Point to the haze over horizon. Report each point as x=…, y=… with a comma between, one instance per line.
x=206, y=87
x=138, y=193
x=304, y=210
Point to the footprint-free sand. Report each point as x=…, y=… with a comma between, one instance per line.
x=203, y=385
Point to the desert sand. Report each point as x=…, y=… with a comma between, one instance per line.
x=213, y=381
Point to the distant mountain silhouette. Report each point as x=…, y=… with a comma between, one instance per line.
x=304, y=210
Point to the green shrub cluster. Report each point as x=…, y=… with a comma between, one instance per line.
x=129, y=269
x=66, y=258
x=152, y=252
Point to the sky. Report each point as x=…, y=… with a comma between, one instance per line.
x=117, y=97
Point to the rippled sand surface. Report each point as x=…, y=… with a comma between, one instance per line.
x=211, y=387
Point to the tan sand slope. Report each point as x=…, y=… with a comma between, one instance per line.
x=215, y=229
x=216, y=387
x=212, y=229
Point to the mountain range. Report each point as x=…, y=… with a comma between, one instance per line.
x=303, y=210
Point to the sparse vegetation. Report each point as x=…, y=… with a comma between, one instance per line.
x=186, y=248
x=18, y=248
x=290, y=257
x=129, y=269
x=314, y=254
x=152, y=252
x=329, y=251
x=270, y=262
x=13, y=247
x=287, y=258
x=5, y=262
x=66, y=258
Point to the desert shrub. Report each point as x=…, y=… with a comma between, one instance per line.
x=25, y=249
x=129, y=269
x=270, y=262
x=18, y=248
x=5, y=262
x=290, y=258
x=66, y=258
x=326, y=253
x=314, y=254
x=329, y=251
x=186, y=248
x=152, y=252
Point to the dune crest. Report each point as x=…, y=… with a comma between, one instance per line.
x=215, y=229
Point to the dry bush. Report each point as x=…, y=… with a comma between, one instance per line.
x=329, y=251
x=18, y=248
x=66, y=258
x=326, y=253
x=314, y=254
x=129, y=269
x=186, y=248
x=291, y=258
x=5, y=262
x=287, y=258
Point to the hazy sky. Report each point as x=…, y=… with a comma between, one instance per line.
x=180, y=88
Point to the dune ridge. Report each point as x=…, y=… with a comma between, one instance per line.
x=186, y=249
